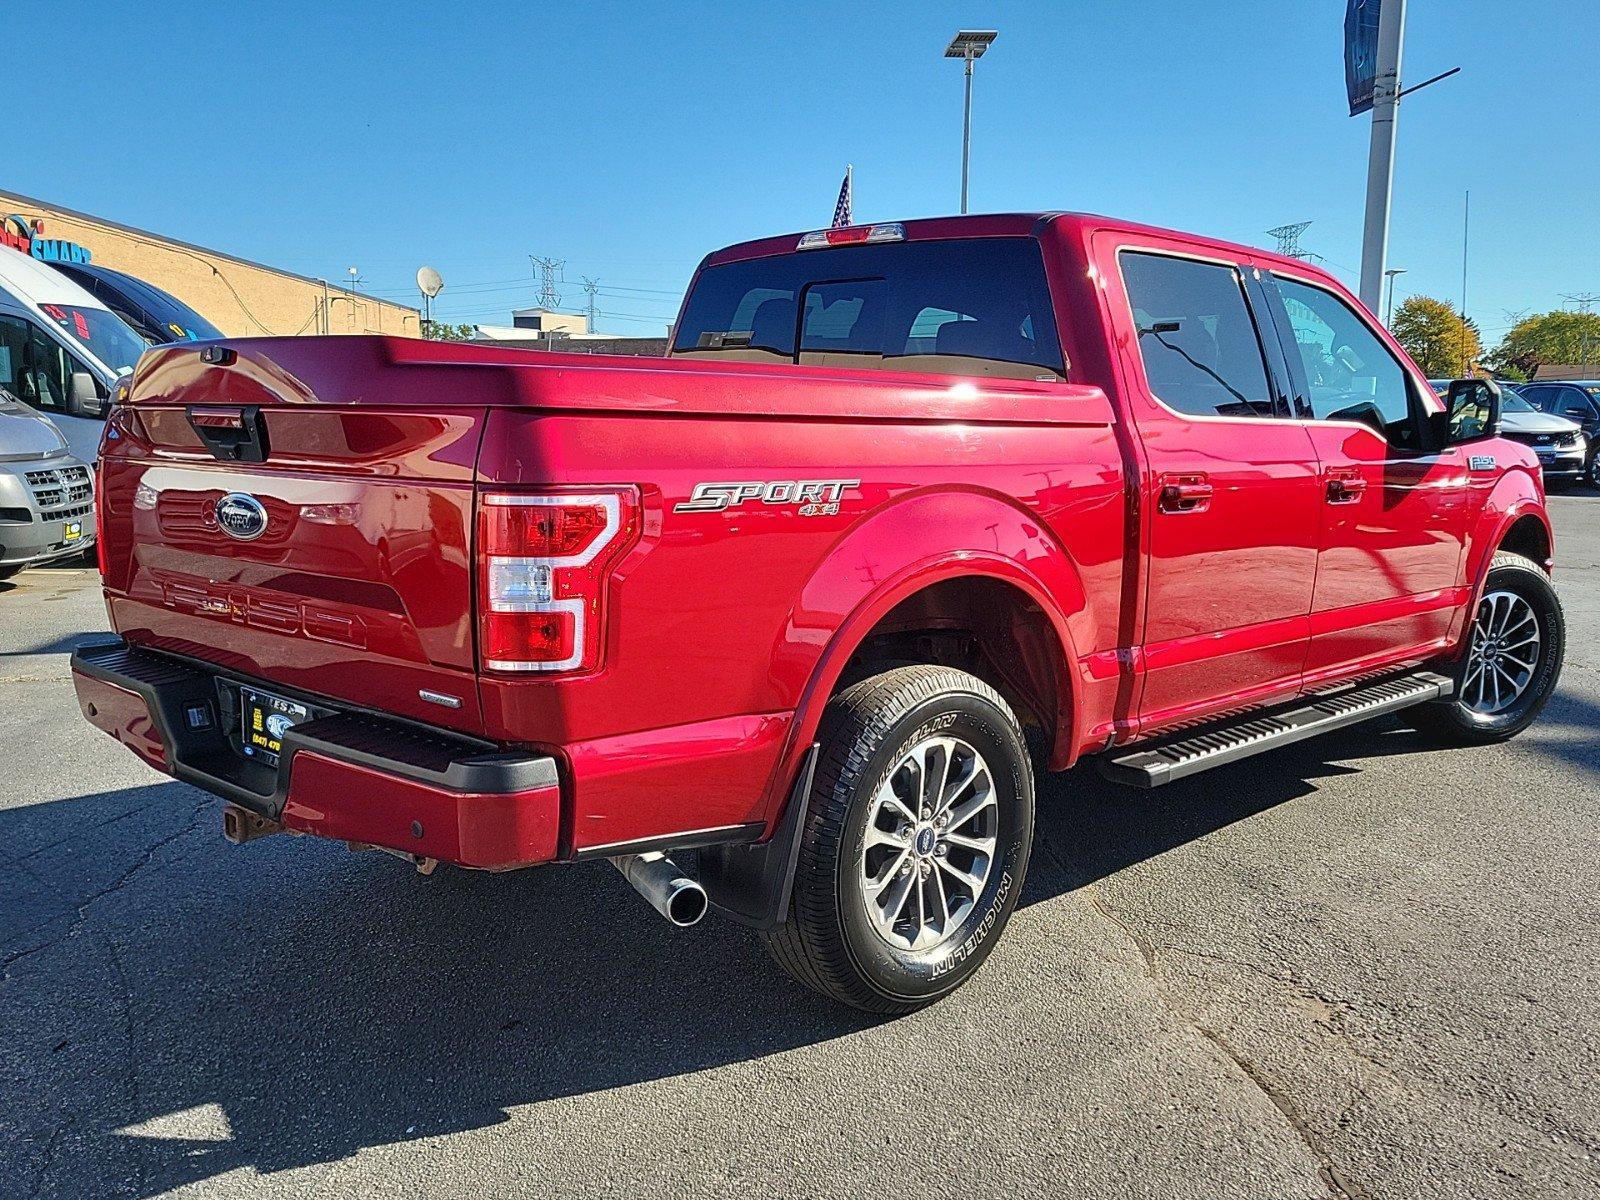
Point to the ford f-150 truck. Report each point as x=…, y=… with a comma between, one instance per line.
x=783, y=623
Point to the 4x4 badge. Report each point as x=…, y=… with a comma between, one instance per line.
x=814, y=497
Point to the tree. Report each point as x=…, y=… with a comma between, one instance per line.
x=441, y=332
x=1552, y=337
x=1434, y=334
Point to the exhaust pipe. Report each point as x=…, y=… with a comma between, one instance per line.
x=660, y=881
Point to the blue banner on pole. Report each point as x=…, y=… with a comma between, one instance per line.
x=1360, y=52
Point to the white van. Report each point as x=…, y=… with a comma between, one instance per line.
x=61, y=350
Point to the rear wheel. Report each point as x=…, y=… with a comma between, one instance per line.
x=8, y=572
x=915, y=844
x=1512, y=663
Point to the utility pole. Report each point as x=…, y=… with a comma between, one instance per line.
x=1583, y=300
x=550, y=269
x=1380, y=155
x=1289, y=238
x=591, y=286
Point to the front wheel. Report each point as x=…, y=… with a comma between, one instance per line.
x=1593, y=472
x=1512, y=663
x=915, y=843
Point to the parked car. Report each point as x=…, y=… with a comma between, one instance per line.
x=902, y=500
x=1564, y=452
x=46, y=495
x=1577, y=400
x=156, y=316
x=61, y=350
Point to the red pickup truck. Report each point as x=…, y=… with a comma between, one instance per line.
x=906, y=509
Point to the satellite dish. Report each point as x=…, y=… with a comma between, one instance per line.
x=429, y=282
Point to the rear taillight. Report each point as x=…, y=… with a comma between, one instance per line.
x=544, y=561
x=99, y=485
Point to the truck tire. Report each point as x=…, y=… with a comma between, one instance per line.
x=915, y=842
x=1512, y=663
x=7, y=572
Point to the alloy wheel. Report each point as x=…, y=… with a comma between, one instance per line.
x=1504, y=655
x=930, y=843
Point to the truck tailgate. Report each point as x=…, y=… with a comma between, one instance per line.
x=357, y=585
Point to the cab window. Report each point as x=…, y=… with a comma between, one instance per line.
x=1201, y=351
x=1349, y=374
x=971, y=306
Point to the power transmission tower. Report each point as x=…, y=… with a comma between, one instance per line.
x=591, y=286
x=550, y=271
x=1583, y=300
x=1289, y=238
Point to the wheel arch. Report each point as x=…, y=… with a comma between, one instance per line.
x=924, y=550
x=1514, y=518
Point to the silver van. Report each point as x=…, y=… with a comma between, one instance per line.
x=61, y=350
x=46, y=493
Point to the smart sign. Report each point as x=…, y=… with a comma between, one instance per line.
x=22, y=234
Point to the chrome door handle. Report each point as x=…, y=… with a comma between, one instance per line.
x=1185, y=495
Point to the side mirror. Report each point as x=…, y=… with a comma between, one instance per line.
x=1472, y=412
x=83, y=398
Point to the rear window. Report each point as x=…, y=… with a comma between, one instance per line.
x=972, y=307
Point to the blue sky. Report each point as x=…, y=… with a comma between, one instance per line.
x=630, y=138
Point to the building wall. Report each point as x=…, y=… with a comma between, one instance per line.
x=242, y=299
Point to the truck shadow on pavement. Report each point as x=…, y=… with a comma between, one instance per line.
x=173, y=1008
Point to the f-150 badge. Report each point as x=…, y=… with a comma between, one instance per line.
x=812, y=497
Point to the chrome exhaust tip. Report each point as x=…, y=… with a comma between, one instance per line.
x=679, y=899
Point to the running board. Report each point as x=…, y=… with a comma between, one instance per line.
x=1152, y=767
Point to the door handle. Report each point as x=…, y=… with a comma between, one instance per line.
x=1345, y=489
x=1184, y=494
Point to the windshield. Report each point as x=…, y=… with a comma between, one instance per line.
x=1511, y=402
x=104, y=335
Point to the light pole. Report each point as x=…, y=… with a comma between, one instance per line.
x=968, y=44
x=1388, y=310
x=1380, y=154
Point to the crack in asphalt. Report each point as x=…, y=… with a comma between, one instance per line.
x=80, y=832
x=130, y=1056
x=80, y=920
x=1339, y=1185
x=52, y=1144
x=81, y=917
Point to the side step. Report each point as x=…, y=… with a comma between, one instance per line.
x=1149, y=767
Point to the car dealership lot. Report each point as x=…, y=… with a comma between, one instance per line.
x=1354, y=968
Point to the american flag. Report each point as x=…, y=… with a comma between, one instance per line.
x=841, y=210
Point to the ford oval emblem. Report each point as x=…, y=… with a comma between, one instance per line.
x=241, y=516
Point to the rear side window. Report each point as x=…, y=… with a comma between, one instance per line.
x=1201, y=352
x=977, y=306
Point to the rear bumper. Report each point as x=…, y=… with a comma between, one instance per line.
x=350, y=776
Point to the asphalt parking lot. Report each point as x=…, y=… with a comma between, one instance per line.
x=1356, y=968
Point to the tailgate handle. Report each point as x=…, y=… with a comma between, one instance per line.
x=232, y=433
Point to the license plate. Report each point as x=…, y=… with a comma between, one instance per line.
x=265, y=719
x=72, y=532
